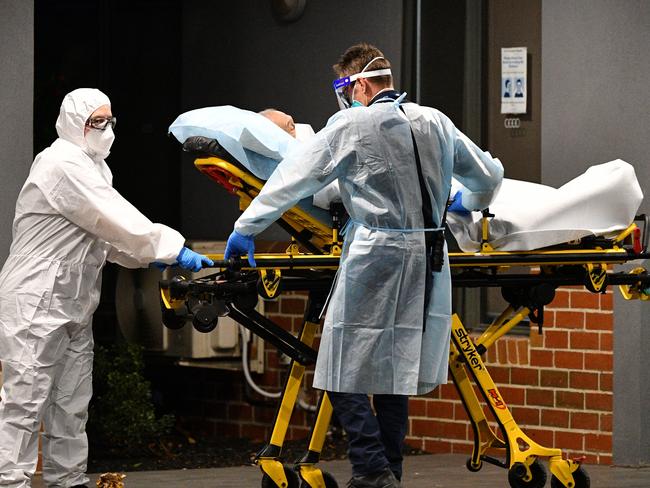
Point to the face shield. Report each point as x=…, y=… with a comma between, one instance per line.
x=343, y=86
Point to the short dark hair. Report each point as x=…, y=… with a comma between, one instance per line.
x=356, y=57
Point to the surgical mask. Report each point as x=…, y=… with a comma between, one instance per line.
x=356, y=103
x=342, y=84
x=100, y=141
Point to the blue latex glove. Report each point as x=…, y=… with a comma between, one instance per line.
x=191, y=260
x=239, y=245
x=457, y=205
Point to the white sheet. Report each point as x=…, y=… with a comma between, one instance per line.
x=530, y=216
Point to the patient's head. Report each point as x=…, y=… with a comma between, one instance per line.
x=282, y=120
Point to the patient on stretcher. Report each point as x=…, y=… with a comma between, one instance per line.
x=527, y=216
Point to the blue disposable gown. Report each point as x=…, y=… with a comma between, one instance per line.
x=374, y=339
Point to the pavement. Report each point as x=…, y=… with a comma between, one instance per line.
x=427, y=471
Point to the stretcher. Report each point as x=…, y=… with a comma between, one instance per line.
x=310, y=263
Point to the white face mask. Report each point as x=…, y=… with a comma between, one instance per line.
x=100, y=142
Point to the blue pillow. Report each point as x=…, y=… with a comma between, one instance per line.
x=251, y=138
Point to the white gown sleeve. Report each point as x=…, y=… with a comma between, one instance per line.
x=82, y=196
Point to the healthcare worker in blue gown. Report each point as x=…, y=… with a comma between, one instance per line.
x=69, y=221
x=388, y=323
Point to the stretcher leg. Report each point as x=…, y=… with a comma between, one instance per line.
x=268, y=459
x=521, y=452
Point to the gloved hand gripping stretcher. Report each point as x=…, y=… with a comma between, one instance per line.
x=310, y=263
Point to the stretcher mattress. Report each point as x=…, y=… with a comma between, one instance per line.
x=527, y=216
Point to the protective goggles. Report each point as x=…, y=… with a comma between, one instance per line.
x=101, y=123
x=343, y=86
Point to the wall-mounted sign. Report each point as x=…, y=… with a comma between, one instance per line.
x=513, y=80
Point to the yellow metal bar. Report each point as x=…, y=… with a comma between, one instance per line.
x=521, y=448
x=505, y=328
x=291, y=389
x=496, y=323
x=319, y=433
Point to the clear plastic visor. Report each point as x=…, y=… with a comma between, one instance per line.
x=343, y=86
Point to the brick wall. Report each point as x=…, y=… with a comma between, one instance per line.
x=557, y=384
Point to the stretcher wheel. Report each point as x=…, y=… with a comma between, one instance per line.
x=517, y=473
x=206, y=317
x=292, y=479
x=330, y=481
x=580, y=477
x=473, y=468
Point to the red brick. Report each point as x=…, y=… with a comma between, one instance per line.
x=500, y=374
x=254, y=432
x=440, y=409
x=599, y=321
x=425, y=428
x=554, y=378
x=598, y=442
x=522, y=352
x=295, y=306
x=556, y=339
x=561, y=299
x=606, y=341
x=606, y=422
x=584, y=421
x=459, y=412
x=599, y=401
x=541, y=357
x=418, y=407
x=526, y=415
x=240, y=412
x=585, y=299
x=599, y=361
x=606, y=301
x=461, y=448
x=536, y=339
x=502, y=352
x=606, y=382
x=584, y=340
x=414, y=442
x=512, y=351
x=570, y=399
x=437, y=447
x=536, y=396
x=513, y=395
x=524, y=376
x=569, y=440
x=583, y=381
x=555, y=418
x=605, y=459
x=453, y=430
x=570, y=320
x=569, y=359
x=448, y=391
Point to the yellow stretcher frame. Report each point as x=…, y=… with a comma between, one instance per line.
x=466, y=365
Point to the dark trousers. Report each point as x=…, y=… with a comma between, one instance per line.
x=374, y=441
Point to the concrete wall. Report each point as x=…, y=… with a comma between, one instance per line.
x=236, y=53
x=16, y=114
x=595, y=99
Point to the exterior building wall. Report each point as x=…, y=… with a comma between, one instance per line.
x=558, y=385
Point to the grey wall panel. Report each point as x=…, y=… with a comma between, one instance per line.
x=236, y=53
x=16, y=114
x=595, y=99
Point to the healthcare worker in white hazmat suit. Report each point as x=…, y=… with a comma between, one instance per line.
x=69, y=221
x=387, y=327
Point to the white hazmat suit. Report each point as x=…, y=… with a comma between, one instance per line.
x=374, y=338
x=69, y=220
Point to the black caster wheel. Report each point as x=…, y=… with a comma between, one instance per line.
x=206, y=317
x=330, y=481
x=292, y=479
x=172, y=320
x=473, y=468
x=580, y=478
x=517, y=473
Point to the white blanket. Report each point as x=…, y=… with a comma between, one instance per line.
x=530, y=216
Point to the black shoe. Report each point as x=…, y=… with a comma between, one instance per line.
x=381, y=479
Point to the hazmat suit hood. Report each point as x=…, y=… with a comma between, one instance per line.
x=76, y=107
